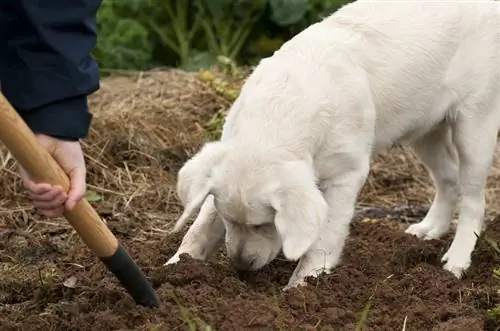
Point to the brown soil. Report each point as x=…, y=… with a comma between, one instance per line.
x=144, y=129
x=402, y=273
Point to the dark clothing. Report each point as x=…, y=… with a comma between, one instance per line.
x=46, y=68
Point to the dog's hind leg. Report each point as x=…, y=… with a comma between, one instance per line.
x=475, y=136
x=439, y=156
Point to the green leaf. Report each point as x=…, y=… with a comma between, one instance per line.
x=288, y=12
x=217, y=8
x=124, y=44
x=134, y=5
x=199, y=61
x=92, y=196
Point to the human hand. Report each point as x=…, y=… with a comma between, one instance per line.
x=52, y=200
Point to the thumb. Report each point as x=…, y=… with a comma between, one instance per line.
x=77, y=188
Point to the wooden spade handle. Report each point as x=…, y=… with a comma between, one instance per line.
x=24, y=146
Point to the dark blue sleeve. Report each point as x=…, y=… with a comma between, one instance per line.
x=46, y=68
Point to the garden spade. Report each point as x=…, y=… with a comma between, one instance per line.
x=24, y=147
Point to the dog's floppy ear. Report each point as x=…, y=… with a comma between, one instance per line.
x=300, y=208
x=194, y=181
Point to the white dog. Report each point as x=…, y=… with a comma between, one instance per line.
x=298, y=142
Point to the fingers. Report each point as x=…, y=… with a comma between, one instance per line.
x=41, y=191
x=77, y=189
x=36, y=189
x=47, y=199
x=52, y=212
x=51, y=200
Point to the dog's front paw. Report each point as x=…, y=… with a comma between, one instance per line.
x=310, y=265
x=174, y=259
x=456, y=261
x=427, y=229
x=293, y=283
x=196, y=252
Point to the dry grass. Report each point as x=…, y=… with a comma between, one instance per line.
x=398, y=178
x=147, y=124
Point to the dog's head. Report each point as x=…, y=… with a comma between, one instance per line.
x=267, y=204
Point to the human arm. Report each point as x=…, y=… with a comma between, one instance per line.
x=47, y=72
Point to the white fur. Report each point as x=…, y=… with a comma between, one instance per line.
x=298, y=142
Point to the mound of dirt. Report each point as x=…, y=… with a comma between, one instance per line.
x=145, y=127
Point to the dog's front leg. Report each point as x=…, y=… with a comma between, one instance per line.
x=341, y=195
x=204, y=235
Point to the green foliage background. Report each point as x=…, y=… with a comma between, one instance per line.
x=193, y=34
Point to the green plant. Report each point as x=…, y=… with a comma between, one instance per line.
x=122, y=42
x=494, y=312
x=192, y=34
x=226, y=34
x=288, y=12
x=93, y=196
x=171, y=22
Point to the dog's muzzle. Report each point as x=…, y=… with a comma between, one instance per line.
x=242, y=264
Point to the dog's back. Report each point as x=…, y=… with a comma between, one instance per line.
x=424, y=56
x=420, y=56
